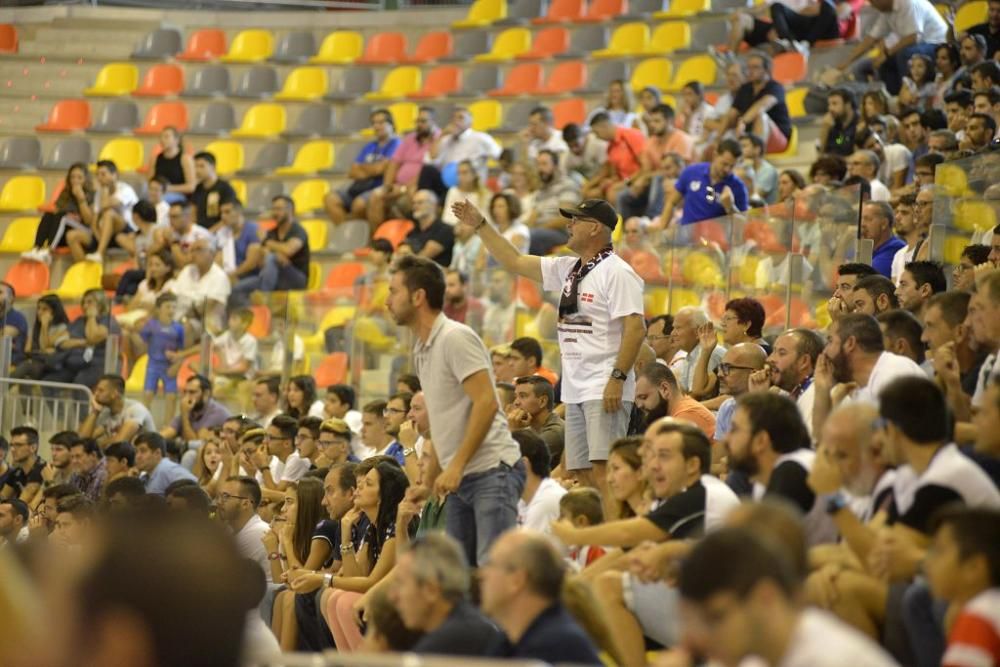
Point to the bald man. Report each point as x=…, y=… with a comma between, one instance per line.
x=734, y=380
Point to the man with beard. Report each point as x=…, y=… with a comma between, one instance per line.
x=848, y=276
x=920, y=281
x=790, y=367
x=210, y=193
x=873, y=295
x=979, y=132
x=236, y=505
x=403, y=168
x=855, y=357
x=708, y=190
x=114, y=418
x=498, y=321
x=548, y=228
x=430, y=237
x=734, y=380
x=658, y=395
x=541, y=136
x=459, y=305
x=836, y=134
x=200, y=413
x=24, y=479
x=909, y=228
x=286, y=264
x=367, y=172
x=59, y=470
x=646, y=186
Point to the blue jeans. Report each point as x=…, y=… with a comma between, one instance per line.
x=272, y=277
x=923, y=617
x=484, y=507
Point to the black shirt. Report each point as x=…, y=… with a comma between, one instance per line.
x=840, y=141
x=992, y=38
x=682, y=516
x=17, y=479
x=169, y=168
x=745, y=98
x=466, y=631
x=788, y=481
x=208, y=201
x=300, y=260
x=438, y=231
x=554, y=637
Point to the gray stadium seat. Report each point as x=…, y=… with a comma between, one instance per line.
x=522, y=11
x=214, y=118
x=641, y=9
x=586, y=39
x=261, y=195
x=118, y=117
x=159, y=44
x=515, y=116
x=259, y=81
x=353, y=83
x=443, y=112
x=268, y=158
x=467, y=44
x=353, y=119
x=602, y=74
x=716, y=32
x=69, y=151
x=350, y=235
x=20, y=153
x=315, y=120
x=345, y=157
x=209, y=81
x=295, y=47
x=479, y=80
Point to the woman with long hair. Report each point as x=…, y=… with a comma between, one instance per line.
x=161, y=270
x=84, y=364
x=505, y=210
x=626, y=483
x=209, y=467
x=74, y=208
x=174, y=165
x=523, y=185
x=468, y=187
x=300, y=397
x=618, y=105
x=50, y=331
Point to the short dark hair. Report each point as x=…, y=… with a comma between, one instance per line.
x=346, y=480
x=153, y=441
x=528, y=347
x=121, y=451
x=344, y=393
x=571, y=133
x=543, y=565
x=64, y=439
x=534, y=449
x=62, y=490
x=900, y=323
x=544, y=112
x=960, y=97
x=864, y=329
x=600, y=117
x=287, y=425
x=144, y=210
x=410, y=380
x=730, y=146
x=273, y=385
x=754, y=139
x=422, y=273
x=285, y=198
x=205, y=156
x=583, y=501
x=877, y=285
x=541, y=387
x=977, y=252
x=192, y=494
x=993, y=94
x=27, y=431
x=808, y=342
x=130, y=487
x=116, y=381
x=988, y=69
x=954, y=306
x=664, y=110
x=931, y=160
x=19, y=506
x=749, y=309
x=89, y=446
x=928, y=273
x=312, y=424
x=384, y=112
x=78, y=505
x=657, y=374
x=916, y=405
x=988, y=121
x=376, y=407
x=694, y=442
x=383, y=246
x=779, y=417
x=846, y=95
x=976, y=532
x=709, y=570
x=249, y=487
x=829, y=164
x=109, y=165
x=856, y=269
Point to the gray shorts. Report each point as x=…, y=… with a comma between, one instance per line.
x=655, y=607
x=590, y=431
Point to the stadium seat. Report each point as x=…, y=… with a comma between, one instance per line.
x=271, y=156
x=214, y=118
x=22, y=193
x=562, y=11
x=165, y=114
x=250, y=46
x=604, y=10
x=548, y=43
x=393, y=231
x=477, y=81
x=353, y=120
x=523, y=79
x=521, y=13
x=160, y=81
x=261, y=196
x=573, y=110
x=346, y=155
x=309, y=195
x=117, y=117
x=384, y=48
x=669, y=37
x=313, y=121
x=158, y=44
x=482, y=13
x=304, y=84
x=795, y=100
x=469, y=44
x=205, y=44
x=136, y=381
x=642, y=9
x=404, y=116
x=332, y=370
x=340, y=47
x=113, y=80
x=8, y=38
x=602, y=74
x=50, y=205
x=28, y=278
x=229, y=156
x=353, y=84
x=970, y=14
x=791, y=152
x=516, y=116
x=682, y=8
x=789, y=68
x=313, y=157
x=486, y=115
x=80, y=277
x=507, y=46
x=125, y=152
x=67, y=116
x=431, y=47
x=209, y=81
x=295, y=47
x=441, y=81
x=340, y=280
x=69, y=151
x=398, y=82
x=651, y=72
x=349, y=236
x=259, y=82
x=19, y=235
x=696, y=68
x=565, y=77
x=263, y=121
x=20, y=153
x=316, y=230
x=628, y=40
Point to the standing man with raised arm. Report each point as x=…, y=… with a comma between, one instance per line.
x=601, y=328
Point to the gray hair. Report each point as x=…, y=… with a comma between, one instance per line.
x=439, y=559
x=871, y=157
x=698, y=316
x=432, y=195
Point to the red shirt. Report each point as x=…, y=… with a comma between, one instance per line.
x=470, y=312
x=624, y=151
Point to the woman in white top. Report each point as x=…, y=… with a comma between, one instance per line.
x=300, y=397
x=505, y=209
x=468, y=187
x=618, y=106
x=523, y=185
x=160, y=270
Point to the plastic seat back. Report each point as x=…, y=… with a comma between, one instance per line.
x=117, y=116
x=651, y=72
x=432, y=46
x=339, y=48
x=441, y=81
x=28, y=278
x=19, y=235
x=209, y=81
x=404, y=115
x=314, y=120
x=605, y=10
x=670, y=36
x=393, y=231
x=384, y=48
x=573, y=110
x=67, y=116
x=399, y=82
x=262, y=120
x=696, y=68
x=125, y=152
x=304, y=84
x=260, y=81
x=629, y=39
x=312, y=157
x=250, y=46
x=165, y=114
x=79, y=278
x=8, y=38
x=214, y=118
x=160, y=81
x=70, y=151
x=22, y=193
x=508, y=44
x=295, y=47
x=158, y=44
x=310, y=195
x=20, y=153
x=316, y=231
x=549, y=42
x=332, y=370
x=790, y=68
x=486, y=115
x=113, y=80
x=524, y=79
x=205, y=44
x=229, y=156
x=563, y=11
x=483, y=13
x=566, y=77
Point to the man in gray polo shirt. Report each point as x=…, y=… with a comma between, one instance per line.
x=473, y=443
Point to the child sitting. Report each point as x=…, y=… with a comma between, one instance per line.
x=162, y=336
x=236, y=349
x=582, y=506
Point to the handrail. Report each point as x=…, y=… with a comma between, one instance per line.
x=59, y=419
x=53, y=385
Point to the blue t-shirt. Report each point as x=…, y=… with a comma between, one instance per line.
x=372, y=152
x=724, y=418
x=882, y=255
x=694, y=183
x=160, y=338
x=246, y=239
x=16, y=319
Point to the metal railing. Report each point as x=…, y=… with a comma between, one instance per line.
x=50, y=407
x=335, y=659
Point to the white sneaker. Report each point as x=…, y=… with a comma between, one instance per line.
x=801, y=46
x=94, y=257
x=43, y=255
x=31, y=254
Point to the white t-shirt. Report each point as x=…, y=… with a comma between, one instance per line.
x=194, y=289
x=250, y=546
x=276, y=360
x=719, y=501
x=163, y=214
x=896, y=157
x=292, y=469
x=126, y=197
x=478, y=147
x=543, y=509
x=888, y=368
x=902, y=257
x=911, y=17
x=989, y=368
x=879, y=191
x=232, y=351
x=554, y=143
x=589, y=341
x=518, y=229
x=187, y=239
x=805, y=403
x=822, y=640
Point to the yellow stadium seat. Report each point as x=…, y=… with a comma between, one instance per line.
x=486, y=115
x=19, y=235
x=508, y=44
x=22, y=193
x=137, y=376
x=250, y=46
x=628, y=39
x=682, y=298
x=701, y=270
x=310, y=195
x=974, y=216
x=340, y=47
x=953, y=247
x=336, y=317
x=399, y=82
x=262, y=120
x=404, y=115
x=970, y=14
x=229, y=156
x=483, y=13
x=682, y=8
x=316, y=230
x=669, y=37
x=240, y=187
x=791, y=152
x=696, y=68
x=315, y=277
x=125, y=152
x=314, y=156
x=79, y=278
x=952, y=178
x=796, y=101
x=304, y=84
x=113, y=80
x=651, y=72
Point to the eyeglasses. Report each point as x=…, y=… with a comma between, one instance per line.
x=223, y=497
x=393, y=411
x=962, y=268
x=726, y=369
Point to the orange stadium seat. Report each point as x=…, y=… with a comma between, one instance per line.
x=385, y=48
x=524, y=79
x=205, y=44
x=160, y=81
x=165, y=114
x=260, y=327
x=67, y=116
x=547, y=43
x=8, y=38
x=562, y=11
x=569, y=111
x=565, y=77
x=332, y=370
x=604, y=10
x=441, y=81
x=28, y=278
x=340, y=280
x=432, y=46
x=393, y=231
x=790, y=68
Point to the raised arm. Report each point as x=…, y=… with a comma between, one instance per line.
x=528, y=266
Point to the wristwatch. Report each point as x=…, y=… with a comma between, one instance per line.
x=619, y=375
x=327, y=579
x=835, y=503
x=409, y=451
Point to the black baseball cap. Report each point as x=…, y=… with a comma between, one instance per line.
x=593, y=209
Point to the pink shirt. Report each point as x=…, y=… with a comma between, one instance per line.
x=410, y=157
x=679, y=142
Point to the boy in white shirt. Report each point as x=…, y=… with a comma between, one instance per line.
x=236, y=349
